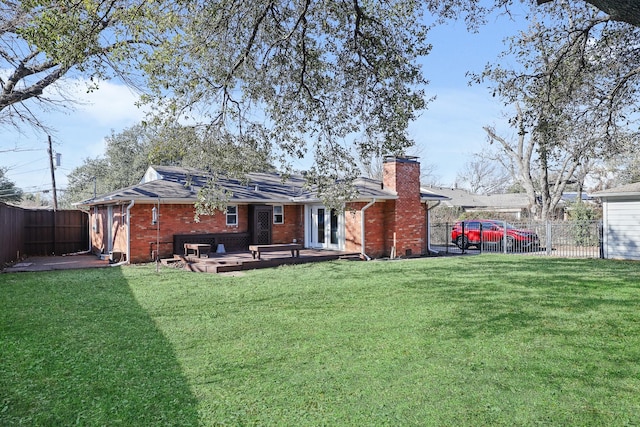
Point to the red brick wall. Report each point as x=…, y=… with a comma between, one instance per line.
x=119, y=229
x=179, y=219
x=352, y=226
x=374, y=216
x=99, y=224
x=98, y=230
x=293, y=227
x=175, y=219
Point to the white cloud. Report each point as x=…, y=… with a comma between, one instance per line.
x=112, y=104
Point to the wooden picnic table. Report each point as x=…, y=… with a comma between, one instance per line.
x=293, y=247
x=197, y=248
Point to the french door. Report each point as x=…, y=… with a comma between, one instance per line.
x=325, y=228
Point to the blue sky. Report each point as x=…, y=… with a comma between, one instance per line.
x=446, y=134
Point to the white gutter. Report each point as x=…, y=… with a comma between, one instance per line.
x=133, y=202
x=362, y=228
x=429, y=250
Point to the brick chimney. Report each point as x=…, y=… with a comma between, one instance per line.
x=407, y=216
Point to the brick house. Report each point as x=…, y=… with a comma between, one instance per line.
x=157, y=216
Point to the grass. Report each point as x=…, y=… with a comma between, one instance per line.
x=484, y=340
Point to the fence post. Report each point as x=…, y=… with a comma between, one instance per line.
x=548, y=236
x=446, y=237
x=504, y=237
x=601, y=239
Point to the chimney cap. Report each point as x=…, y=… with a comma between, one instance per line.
x=401, y=159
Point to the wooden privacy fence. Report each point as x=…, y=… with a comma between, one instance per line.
x=37, y=232
x=11, y=233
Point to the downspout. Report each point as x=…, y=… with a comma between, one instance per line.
x=429, y=250
x=362, y=228
x=133, y=202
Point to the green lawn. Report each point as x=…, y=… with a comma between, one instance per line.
x=478, y=340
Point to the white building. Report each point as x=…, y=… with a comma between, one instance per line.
x=621, y=221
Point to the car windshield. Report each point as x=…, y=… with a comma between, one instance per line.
x=502, y=224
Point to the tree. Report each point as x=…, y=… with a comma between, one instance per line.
x=620, y=10
x=127, y=156
x=129, y=153
x=543, y=171
x=280, y=77
x=483, y=175
x=621, y=169
x=42, y=41
x=573, y=90
x=297, y=77
x=290, y=78
x=8, y=190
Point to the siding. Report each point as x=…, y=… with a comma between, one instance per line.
x=621, y=229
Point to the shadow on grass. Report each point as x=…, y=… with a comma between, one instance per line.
x=76, y=348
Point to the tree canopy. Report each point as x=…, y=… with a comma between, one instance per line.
x=8, y=190
x=130, y=152
x=330, y=79
x=574, y=90
x=42, y=41
x=323, y=79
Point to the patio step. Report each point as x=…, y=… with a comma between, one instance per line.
x=351, y=257
x=243, y=261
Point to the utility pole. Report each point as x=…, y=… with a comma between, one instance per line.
x=53, y=177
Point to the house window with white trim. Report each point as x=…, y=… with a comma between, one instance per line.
x=232, y=215
x=278, y=214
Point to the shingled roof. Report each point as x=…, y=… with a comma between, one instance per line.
x=623, y=190
x=175, y=184
x=457, y=197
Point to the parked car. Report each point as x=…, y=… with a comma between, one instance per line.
x=491, y=234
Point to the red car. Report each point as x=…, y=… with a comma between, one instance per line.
x=491, y=233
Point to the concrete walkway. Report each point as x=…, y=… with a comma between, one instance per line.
x=65, y=262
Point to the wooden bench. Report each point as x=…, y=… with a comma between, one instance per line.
x=197, y=248
x=293, y=247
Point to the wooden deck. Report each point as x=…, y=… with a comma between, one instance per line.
x=240, y=261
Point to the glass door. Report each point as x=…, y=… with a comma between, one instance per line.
x=324, y=229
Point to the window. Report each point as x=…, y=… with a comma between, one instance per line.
x=278, y=214
x=232, y=215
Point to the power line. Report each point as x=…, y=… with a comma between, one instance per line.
x=31, y=171
x=19, y=150
x=27, y=162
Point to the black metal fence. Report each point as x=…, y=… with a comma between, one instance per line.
x=578, y=239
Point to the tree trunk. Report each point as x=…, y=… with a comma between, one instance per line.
x=620, y=10
x=544, y=184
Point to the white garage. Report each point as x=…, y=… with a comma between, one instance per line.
x=621, y=221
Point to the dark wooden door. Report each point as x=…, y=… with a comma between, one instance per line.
x=262, y=217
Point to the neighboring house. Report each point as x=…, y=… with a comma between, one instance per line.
x=515, y=205
x=157, y=215
x=621, y=221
